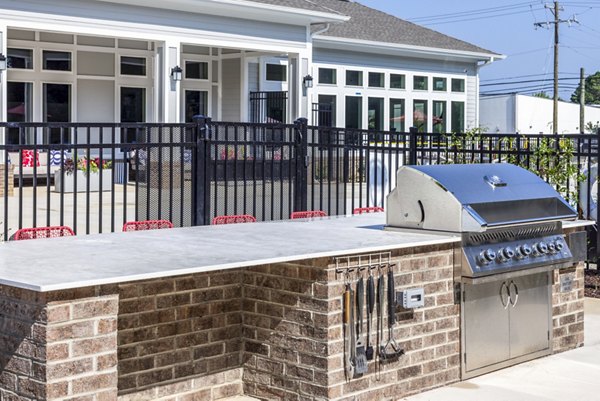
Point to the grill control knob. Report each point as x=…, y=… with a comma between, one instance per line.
x=551, y=247
x=523, y=251
x=540, y=248
x=487, y=256
x=506, y=254
x=559, y=245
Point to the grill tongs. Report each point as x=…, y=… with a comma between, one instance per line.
x=391, y=350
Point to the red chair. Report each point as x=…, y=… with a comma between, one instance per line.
x=307, y=214
x=147, y=225
x=234, y=219
x=370, y=209
x=43, y=232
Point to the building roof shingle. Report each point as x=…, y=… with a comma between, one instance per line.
x=369, y=24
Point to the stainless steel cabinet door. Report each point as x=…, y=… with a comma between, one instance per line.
x=529, y=314
x=486, y=325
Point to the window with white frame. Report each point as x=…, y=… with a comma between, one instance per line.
x=196, y=69
x=56, y=60
x=420, y=83
x=328, y=76
x=458, y=85
x=20, y=58
x=276, y=72
x=397, y=115
x=439, y=117
x=439, y=84
x=354, y=78
x=420, y=115
x=133, y=66
x=457, y=112
x=376, y=79
x=397, y=81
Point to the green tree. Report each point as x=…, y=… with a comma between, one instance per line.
x=542, y=94
x=592, y=90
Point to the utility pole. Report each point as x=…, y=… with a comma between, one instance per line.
x=557, y=21
x=582, y=100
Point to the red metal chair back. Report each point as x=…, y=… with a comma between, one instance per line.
x=147, y=225
x=370, y=209
x=307, y=214
x=234, y=219
x=42, y=232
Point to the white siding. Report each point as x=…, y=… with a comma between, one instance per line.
x=471, y=106
x=329, y=56
x=253, y=77
x=231, y=90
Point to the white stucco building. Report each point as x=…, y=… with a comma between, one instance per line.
x=531, y=115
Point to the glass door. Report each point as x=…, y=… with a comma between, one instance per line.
x=133, y=110
x=18, y=109
x=57, y=109
x=196, y=103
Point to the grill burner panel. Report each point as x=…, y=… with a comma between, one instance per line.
x=486, y=259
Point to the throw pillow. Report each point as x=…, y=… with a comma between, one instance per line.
x=28, y=158
x=55, y=157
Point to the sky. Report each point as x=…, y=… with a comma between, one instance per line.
x=507, y=27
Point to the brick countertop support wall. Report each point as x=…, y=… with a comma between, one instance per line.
x=58, y=345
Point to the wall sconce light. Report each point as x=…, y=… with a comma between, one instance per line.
x=307, y=81
x=176, y=73
x=2, y=62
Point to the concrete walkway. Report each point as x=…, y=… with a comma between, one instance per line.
x=569, y=376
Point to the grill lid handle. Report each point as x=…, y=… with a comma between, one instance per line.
x=495, y=181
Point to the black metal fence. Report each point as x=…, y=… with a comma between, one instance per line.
x=101, y=175
x=268, y=107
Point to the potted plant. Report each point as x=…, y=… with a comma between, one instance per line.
x=83, y=171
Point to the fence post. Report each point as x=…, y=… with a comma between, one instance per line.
x=412, y=145
x=200, y=172
x=301, y=179
x=518, y=146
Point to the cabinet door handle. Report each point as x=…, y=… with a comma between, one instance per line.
x=502, y=287
x=516, y=291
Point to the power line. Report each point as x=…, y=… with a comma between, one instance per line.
x=472, y=12
x=528, y=81
x=524, y=76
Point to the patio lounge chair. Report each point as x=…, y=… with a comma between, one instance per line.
x=306, y=214
x=42, y=232
x=234, y=219
x=147, y=225
x=370, y=209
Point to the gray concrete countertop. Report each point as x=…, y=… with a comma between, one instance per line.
x=72, y=262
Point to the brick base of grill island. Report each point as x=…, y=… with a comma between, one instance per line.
x=273, y=331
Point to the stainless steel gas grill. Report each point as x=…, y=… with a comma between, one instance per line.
x=509, y=221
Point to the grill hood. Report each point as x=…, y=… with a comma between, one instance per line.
x=472, y=198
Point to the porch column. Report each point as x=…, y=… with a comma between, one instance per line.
x=299, y=97
x=169, y=99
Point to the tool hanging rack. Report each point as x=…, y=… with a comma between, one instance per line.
x=358, y=263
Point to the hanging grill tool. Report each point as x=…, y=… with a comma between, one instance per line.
x=358, y=349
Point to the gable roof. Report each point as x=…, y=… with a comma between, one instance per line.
x=371, y=25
